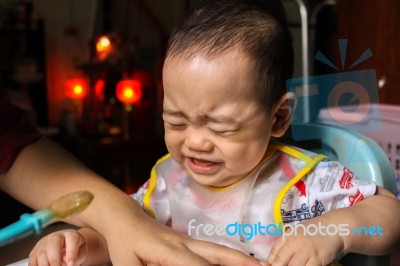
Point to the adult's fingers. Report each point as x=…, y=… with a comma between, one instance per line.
x=276, y=256
x=221, y=255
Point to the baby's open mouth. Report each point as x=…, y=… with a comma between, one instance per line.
x=202, y=162
x=201, y=166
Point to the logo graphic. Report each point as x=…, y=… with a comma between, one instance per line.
x=248, y=231
x=346, y=98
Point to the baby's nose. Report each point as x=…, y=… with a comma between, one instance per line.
x=197, y=140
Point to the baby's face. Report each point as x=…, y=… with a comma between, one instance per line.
x=214, y=124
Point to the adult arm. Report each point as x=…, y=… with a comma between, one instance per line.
x=43, y=171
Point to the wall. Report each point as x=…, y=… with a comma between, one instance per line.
x=374, y=24
x=63, y=46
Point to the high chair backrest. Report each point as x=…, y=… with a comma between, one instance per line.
x=357, y=152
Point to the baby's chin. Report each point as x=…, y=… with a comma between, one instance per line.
x=213, y=181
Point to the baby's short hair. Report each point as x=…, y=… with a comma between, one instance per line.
x=256, y=27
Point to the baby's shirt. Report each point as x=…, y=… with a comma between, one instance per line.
x=240, y=215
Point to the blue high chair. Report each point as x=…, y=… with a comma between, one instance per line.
x=357, y=152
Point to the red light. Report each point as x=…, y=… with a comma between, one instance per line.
x=103, y=44
x=99, y=89
x=75, y=88
x=129, y=91
x=104, y=47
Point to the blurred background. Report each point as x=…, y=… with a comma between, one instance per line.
x=89, y=72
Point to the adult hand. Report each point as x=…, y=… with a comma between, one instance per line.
x=150, y=243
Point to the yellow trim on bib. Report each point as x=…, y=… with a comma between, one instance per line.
x=152, y=185
x=293, y=152
x=310, y=163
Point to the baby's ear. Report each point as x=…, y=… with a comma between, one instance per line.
x=282, y=112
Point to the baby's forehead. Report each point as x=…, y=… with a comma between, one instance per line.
x=232, y=60
x=232, y=65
